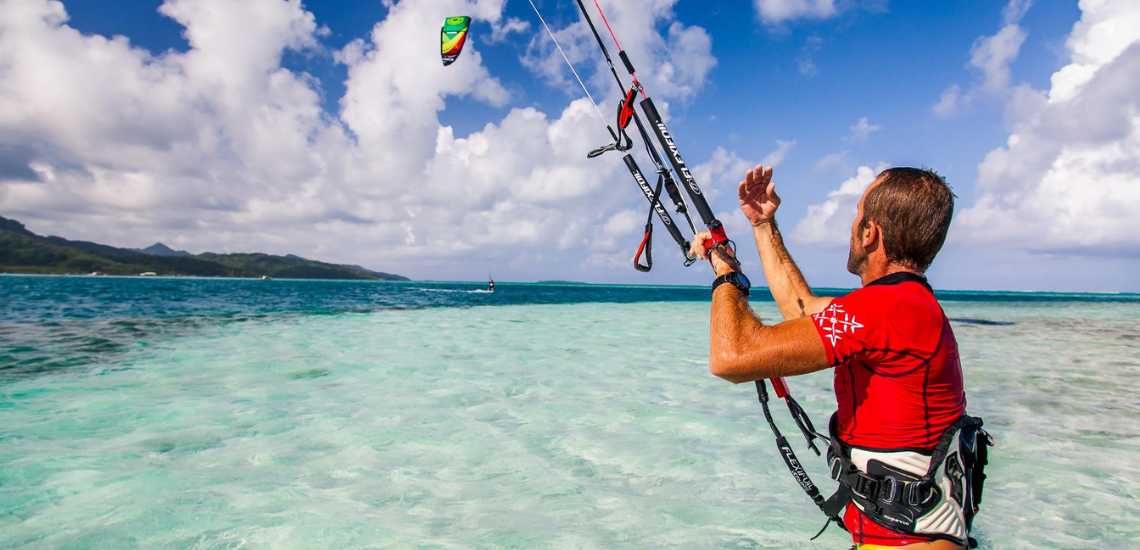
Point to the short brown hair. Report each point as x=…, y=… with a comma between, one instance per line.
x=913, y=207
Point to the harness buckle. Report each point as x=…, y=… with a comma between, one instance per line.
x=893, y=483
x=862, y=485
x=836, y=466
x=912, y=493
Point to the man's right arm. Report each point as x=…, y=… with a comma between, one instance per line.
x=758, y=202
x=785, y=281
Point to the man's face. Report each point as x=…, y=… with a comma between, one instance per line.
x=857, y=256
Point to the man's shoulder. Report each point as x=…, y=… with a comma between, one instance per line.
x=905, y=300
x=907, y=291
x=871, y=295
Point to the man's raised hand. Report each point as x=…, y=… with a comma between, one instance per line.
x=758, y=198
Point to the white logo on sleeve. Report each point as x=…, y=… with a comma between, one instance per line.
x=835, y=322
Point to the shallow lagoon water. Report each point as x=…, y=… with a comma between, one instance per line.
x=378, y=415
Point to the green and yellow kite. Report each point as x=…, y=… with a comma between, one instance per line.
x=453, y=36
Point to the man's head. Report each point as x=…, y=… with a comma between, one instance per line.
x=905, y=213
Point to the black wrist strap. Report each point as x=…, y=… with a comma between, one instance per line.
x=728, y=278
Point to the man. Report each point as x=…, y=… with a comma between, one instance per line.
x=898, y=379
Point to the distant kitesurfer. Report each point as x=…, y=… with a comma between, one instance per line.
x=897, y=378
x=490, y=284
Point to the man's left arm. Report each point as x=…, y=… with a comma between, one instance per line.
x=743, y=349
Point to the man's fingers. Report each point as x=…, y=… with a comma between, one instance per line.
x=698, y=246
x=756, y=180
x=763, y=176
x=748, y=186
x=769, y=185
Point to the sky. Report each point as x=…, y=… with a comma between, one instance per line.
x=331, y=130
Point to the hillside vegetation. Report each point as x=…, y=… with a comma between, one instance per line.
x=22, y=251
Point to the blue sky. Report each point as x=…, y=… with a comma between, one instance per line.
x=325, y=130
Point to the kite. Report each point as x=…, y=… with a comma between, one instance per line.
x=452, y=37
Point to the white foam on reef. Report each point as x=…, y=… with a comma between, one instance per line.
x=456, y=290
x=589, y=426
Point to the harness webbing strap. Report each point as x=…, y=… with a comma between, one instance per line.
x=804, y=423
x=793, y=463
x=944, y=442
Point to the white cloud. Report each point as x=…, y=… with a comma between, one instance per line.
x=832, y=159
x=671, y=66
x=1094, y=42
x=221, y=148
x=805, y=63
x=862, y=129
x=780, y=11
x=776, y=157
x=1015, y=10
x=949, y=104
x=725, y=170
x=352, y=53
x=990, y=57
x=396, y=91
x=829, y=224
x=118, y=124
x=617, y=232
x=736, y=226
x=503, y=29
x=1068, y=180
x=686, y=62
x=720, y=173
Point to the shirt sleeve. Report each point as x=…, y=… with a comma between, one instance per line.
x=845, y=326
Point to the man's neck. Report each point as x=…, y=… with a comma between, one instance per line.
x=882, y=269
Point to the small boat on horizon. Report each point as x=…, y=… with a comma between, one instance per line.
x=148, y=274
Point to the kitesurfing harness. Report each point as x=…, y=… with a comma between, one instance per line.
x=938, y=502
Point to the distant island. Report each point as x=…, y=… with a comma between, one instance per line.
x=562, y=283
x=22, y=251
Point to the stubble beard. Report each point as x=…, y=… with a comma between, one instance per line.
x=856, y=259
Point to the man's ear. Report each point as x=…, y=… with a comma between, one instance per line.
x=870, y=233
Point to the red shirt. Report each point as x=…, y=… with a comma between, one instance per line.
x=898, y=378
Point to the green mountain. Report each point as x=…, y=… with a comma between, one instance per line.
x=290, y=268
x=159, y=249
x=22, y=251
x=14, y=226
x=381, y=274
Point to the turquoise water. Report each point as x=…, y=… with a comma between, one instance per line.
x=196, y=413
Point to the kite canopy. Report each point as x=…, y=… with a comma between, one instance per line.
x=452, y=37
